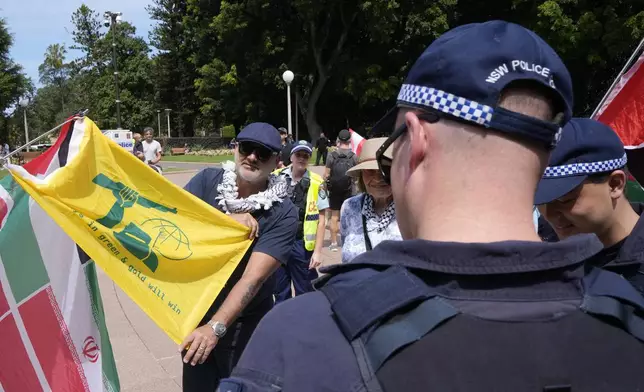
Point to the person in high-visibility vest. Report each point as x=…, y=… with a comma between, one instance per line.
x=308, y=192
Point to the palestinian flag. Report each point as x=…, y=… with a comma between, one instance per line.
x=52, y=324
x=623, y=111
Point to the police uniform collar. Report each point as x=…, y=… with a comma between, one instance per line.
x=508, y=257
x=633, y=249
x=288, y=171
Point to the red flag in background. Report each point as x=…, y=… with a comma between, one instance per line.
x=624, y=112
x=356, y=142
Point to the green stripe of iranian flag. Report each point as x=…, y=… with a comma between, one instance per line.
x=54, y=308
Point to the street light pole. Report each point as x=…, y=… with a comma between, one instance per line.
x=24, y=103
x=112, y=18
x=288, y=78
x=168, y=113
x=159, y=121
x=297, y=123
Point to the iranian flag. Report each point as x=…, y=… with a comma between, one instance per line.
x=52, y=324
x=623, y=110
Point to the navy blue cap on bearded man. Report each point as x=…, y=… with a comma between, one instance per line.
x=587, y=147
x=464, y=72
x=263, y=134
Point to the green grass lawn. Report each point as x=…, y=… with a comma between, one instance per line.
x=196, y=158
x=210, y=159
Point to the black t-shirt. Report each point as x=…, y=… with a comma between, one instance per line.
x=322, y=143
x=285, y=154
x=277, y=229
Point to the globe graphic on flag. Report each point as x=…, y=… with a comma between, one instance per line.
x=168, y=240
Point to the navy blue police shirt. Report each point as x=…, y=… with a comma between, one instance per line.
x=298, y=344
x=277, y=229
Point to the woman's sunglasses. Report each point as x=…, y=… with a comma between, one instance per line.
x=262, y=153
x=384, y=162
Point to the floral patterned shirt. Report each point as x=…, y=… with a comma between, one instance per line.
x=353, y=242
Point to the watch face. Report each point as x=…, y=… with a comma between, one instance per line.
x=220, y=329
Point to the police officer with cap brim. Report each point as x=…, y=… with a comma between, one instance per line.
x=583, y=191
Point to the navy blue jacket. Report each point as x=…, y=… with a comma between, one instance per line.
x=299, y=347
x=627, y=257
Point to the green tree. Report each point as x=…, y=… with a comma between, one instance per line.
x=13, y=82
x=92, y=77
x=346, y=55
x=174, y=68
x=593, y=37
x=54, y=71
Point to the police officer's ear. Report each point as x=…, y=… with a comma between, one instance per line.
x=617, y=183
x=418, y=140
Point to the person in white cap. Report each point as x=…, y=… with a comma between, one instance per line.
x=370, y=217
x=308, y=192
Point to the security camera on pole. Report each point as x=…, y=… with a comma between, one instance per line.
x=288, y=77
x=110, y=21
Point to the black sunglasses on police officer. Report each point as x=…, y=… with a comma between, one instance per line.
x=384, y=162
x=262, y=153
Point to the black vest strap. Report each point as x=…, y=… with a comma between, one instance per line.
x=364, y=304
x=406, y=329
x=610, y=295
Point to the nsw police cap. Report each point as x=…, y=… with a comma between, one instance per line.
x=302, y=145
x=464, y=71
x=263, y=134
x=586, y=147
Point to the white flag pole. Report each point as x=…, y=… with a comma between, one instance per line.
x=619, y=76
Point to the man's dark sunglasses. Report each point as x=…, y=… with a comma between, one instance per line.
x=384, y=163
x=262, y=153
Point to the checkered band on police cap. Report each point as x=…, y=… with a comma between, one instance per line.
x=584, y=168
x=445, y=102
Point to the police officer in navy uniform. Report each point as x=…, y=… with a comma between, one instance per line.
x=583, y=191
x=472, y=299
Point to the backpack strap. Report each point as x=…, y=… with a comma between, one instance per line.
x=609, y=295
x=363, y=313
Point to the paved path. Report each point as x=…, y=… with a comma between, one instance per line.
x=147, y=360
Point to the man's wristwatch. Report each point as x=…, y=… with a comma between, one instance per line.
x=218, y=328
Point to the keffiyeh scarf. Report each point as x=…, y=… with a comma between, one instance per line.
x=229, y=195
x=376, y=222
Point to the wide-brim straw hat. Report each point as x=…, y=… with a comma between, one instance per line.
x=367, y=158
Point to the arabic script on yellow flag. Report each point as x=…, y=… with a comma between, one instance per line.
x=169, y=251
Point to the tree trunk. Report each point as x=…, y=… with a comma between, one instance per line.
x=324, y=70
x=311, y=108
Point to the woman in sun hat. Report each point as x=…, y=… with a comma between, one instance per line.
x=369, y=217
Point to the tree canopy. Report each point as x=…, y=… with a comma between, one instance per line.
x=217, y=63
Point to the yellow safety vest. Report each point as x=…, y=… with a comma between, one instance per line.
x=312, y=214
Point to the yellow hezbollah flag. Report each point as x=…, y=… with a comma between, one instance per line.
x=169, y=251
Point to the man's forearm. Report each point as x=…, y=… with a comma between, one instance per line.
x=319, y=236
x=239, y=297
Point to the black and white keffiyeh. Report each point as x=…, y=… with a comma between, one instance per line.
x=229, y=199
x=375, y=222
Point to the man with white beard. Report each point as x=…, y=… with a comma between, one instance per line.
x=250, y=194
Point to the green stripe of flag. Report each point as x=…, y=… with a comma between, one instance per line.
x=110, y=374
x=22, y=260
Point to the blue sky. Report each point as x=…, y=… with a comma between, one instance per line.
x=35, y=24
